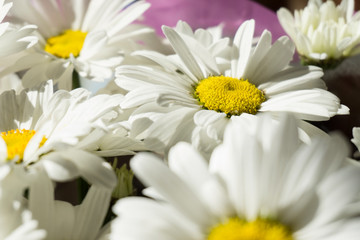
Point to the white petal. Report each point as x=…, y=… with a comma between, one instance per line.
x=147, y=168
x=184, y=53
x=243, y=40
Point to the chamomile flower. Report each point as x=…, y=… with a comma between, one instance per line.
x=261, y=183
x=88, y=36
x=193, y=95
x=43, y=129
x=16, y=221
x=324, y=34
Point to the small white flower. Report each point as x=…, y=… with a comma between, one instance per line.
x=324, y=34
x=90, y=37
x=193, y=95
x=57, y=131
x=261, y=182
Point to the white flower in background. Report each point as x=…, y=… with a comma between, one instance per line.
x=60, y=219
x=88, y=36
x=16, y=221
x=261, y=183
x=193, y=96
x=324, y=34
x=42, y=129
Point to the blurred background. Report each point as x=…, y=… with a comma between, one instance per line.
x=293, y=4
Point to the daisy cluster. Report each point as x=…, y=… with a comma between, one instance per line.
x=114, y=128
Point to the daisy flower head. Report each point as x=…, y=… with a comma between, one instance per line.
x=260, y=183
x=324, y=34
x=193, y=95
x=54, y=131
x=88, y=36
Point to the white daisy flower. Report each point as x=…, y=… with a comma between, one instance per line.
x=324, y=34
x=40, y=128
x=197, y=93
x=60, y=219
x=261, y=183
x=88, y=36
x=16, y=221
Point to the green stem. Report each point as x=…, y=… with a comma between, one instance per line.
x=83, y=188
x=75, y=80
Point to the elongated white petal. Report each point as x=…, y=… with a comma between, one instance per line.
x=145, y=167
x=182, y=50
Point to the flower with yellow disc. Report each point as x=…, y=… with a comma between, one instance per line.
x=252, y=188
x=192, y=95
x=57, y=132
x=88, y=37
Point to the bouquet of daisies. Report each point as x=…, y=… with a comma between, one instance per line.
x=207, y=120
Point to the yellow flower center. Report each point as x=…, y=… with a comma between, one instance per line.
x=229, y=95
x=260, y=229
x=16, y=141
x=66, y=43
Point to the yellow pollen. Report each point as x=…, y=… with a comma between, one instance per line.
x=229, y=95
x=260, y=229
x=16, y=141
x=66, y=43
